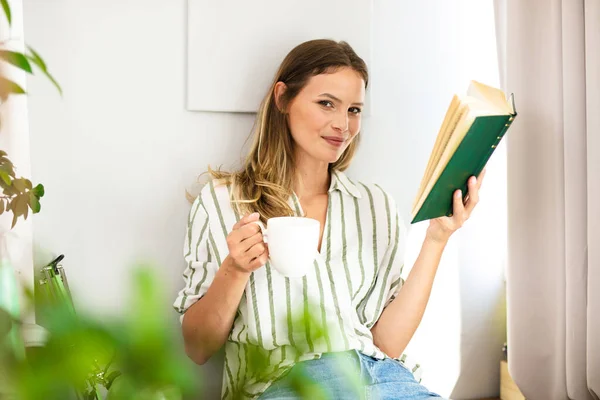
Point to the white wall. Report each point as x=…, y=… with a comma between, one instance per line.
x=118, y=150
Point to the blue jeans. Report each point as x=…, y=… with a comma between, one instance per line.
x=348, y=375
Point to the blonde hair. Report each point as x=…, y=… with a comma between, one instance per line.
x=265, y=182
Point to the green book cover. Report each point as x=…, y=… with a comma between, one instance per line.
x=469, y=158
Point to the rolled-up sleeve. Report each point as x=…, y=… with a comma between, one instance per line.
x=201, y=265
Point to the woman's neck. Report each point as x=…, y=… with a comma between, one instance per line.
x=312, y=178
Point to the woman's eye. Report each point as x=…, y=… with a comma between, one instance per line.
x=355, y=110
x=326, y=103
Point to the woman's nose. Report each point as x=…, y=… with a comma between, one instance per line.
x=340, y=122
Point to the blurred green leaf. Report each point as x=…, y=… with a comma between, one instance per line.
x=14, y=220
x=258, y=361
x=110, y=379
x=6, y=165
x=5, y=323
x=8, y=190
x=170, y=393
x=90, y=395
x=26, y=212
x=34, y=203
x=16, y=59
x=307, y=322
x=5, y=177
x=19, y=184
x=22, y=203
x=121, y=389
x=19, y=206
x=306, y=387
x=7, y=87
x=39, y=190
x=37, y=60
x=29, y=294
x=7, y=12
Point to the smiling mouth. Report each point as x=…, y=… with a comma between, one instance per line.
x=334, y=141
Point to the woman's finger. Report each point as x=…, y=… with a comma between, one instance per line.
x=473, y=195
x=252, y=240
x=246, y=220
x=458, y=208
x=244, y=231
x=255, y=251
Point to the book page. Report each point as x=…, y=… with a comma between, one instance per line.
x=462, y=127
x=441, y=144
x=451, y=115
x=447, y=135
x=490, y=95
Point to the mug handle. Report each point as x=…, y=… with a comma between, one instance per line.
x=263, y=230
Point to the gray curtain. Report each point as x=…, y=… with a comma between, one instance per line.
x=549, y=52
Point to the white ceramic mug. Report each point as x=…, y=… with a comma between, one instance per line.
x=293, y=244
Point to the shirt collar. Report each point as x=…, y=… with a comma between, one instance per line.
x=339, y=181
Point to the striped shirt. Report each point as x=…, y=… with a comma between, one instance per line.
x=280, y=320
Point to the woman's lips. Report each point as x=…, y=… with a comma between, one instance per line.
x=334, y=141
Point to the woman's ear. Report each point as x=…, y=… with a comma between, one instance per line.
x=278, y=92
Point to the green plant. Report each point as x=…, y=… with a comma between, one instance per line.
x=131, y=357
x=19, y=194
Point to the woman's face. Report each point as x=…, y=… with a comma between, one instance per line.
x=325, y=116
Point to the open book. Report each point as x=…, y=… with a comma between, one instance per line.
x=473, y=127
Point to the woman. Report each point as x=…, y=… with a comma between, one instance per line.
x=354, y=302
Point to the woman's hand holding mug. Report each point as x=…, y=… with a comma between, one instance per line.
x=292, y=242
x=247, y=251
